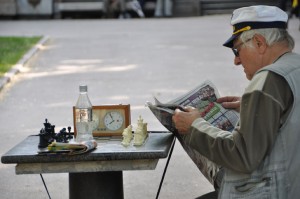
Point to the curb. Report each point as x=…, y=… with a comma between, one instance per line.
x=7, y=77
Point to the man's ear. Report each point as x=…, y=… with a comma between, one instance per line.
x=260, y=43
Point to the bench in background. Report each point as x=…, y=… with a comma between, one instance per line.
x=207, y=7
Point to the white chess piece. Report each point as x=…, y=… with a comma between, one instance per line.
x=140, y=133
x=127, y=136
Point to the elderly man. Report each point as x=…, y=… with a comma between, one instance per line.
x=261, y=157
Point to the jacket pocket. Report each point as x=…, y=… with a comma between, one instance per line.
x=254, y=188
x=248, y=187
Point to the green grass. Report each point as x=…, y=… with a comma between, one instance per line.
x=12, y=49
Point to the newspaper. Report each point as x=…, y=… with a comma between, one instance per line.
x=203, y=97
x=69, y=148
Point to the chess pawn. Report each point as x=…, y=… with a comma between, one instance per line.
x=127, y=136
x=140, y=133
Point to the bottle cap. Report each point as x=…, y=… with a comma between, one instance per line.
x=83, y=88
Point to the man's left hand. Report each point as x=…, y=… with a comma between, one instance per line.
x=184, y=120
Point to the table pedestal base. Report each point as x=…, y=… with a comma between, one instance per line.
x=100, y=185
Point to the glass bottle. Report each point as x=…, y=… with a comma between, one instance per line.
x=83, y=111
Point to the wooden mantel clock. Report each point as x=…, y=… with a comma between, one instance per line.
x=111, y=119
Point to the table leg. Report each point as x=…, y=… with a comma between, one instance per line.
x=100, y=185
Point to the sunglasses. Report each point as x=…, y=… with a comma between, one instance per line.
x=235, y=52
x=235, y=49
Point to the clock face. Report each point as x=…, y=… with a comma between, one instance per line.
x=113, y=120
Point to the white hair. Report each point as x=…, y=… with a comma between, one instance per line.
x=272, y=36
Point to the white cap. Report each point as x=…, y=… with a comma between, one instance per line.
x=256, y=17
x=258, y=13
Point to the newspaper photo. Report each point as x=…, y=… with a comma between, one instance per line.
x=69, y=148
x=203, y=97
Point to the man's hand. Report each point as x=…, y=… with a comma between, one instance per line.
x=184, y=120
x=230, y=102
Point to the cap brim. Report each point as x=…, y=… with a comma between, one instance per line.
x=229, y=42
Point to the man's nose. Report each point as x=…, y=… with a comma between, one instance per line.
x=237, y=60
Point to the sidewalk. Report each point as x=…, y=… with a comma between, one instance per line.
x=121, y=61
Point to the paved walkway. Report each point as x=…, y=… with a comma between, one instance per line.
x=121, y=61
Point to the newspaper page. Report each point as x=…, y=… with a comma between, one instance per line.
x=203, y=97
x=69, y=148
